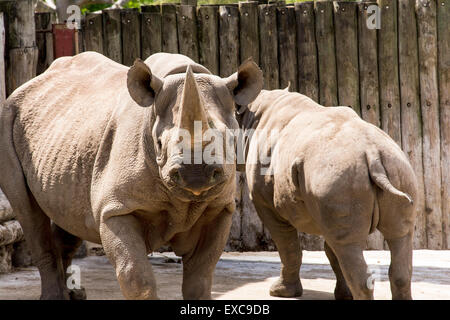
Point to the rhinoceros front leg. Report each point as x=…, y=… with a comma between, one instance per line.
x=200, y=261
x=124, y=244
x=286, y=238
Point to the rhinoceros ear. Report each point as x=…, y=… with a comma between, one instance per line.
x=142, y=84
x=246, y=83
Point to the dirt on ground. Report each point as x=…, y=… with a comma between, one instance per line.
x=244, y=276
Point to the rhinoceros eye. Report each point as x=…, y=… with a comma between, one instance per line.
x=159, y=144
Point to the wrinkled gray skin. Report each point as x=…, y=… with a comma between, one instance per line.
x=87, y=153
x=334, y=175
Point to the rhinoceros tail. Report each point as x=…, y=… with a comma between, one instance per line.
x=378, y=174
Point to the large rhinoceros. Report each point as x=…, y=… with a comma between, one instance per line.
x=327, y=172
x=90, y=145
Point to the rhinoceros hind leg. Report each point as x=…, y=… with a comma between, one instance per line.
x=354, y=269
x=67, y=245
x=286, y=239
x=400, y=270
x=37, y=231
x=342, y=291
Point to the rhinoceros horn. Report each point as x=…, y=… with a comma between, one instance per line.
x=191, y=108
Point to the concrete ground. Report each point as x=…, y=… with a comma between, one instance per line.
x=245, y=276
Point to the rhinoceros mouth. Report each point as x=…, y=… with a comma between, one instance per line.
x=187, y=195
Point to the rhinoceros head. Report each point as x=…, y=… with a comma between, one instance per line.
x=192, y=115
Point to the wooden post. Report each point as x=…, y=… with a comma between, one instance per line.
x=443, y=36
x=346, y=32
x=169, y=28
x=2, y=61
x=208, y=37
x=429, y=98
x=93, y=33
x=308, y=80
x=369, y=93
x=187, y=31
x=326, y=53
x=410, y=107
x=248, y=31
x=229, y=40
x=268, y=44
x=44, y=40
x=112, y=34
x=287, y=48
x=131, y=38
x=388, y=71
x=150, y=30
x=20, y=38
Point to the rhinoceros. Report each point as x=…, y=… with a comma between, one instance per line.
x=325, y=171
x=88, y=151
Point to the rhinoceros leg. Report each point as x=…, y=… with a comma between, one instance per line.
x=124, y=243
x=286, y=239
x=342, y=291
x=200, y=260
x=67, y=245
x=38, y=234
x=400, y=270
x=354, y=268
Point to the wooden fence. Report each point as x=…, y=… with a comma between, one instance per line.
x=396, y=77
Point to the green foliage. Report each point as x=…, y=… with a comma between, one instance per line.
x=138, y=3
x=94, y=7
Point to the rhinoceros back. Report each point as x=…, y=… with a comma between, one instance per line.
x=61, y=118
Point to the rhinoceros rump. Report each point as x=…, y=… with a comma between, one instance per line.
x=334, y=175
x=88, y=152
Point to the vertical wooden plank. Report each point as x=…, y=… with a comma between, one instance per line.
x=2, y=60
x=187, y=31
x=228, y=39
x=411, y=123
x=346, y=32
x=388, y=71
x=369, y=94
x=287, y=48
x=93, y=33
x=326, y=53
x=368, y=67
x=268, y=44
x=151, y=41
x=208, y=37
x=429, y=101
x=43, y=22
x=248, y=31
x=131, y=38
x=112, y=34
x=443, y=18
x=169, y=28
x=308, y=78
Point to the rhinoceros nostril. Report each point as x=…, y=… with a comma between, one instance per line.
x=216, y=174
x=174, y=175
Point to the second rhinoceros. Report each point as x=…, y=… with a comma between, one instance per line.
x=88, y=151
x=327, y=172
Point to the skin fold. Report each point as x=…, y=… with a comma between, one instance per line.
x=331, y=174
x=88, y=151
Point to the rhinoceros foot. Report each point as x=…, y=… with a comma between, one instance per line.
x=343, y=294
x=286, y=290
x=78, y=294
